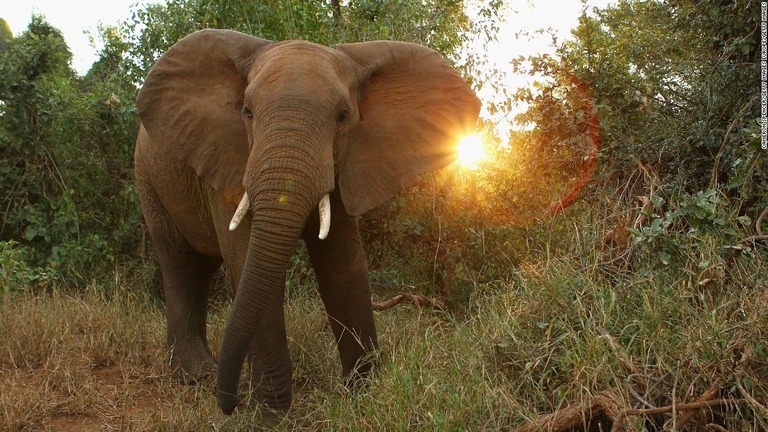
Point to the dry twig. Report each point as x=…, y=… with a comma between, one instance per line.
x=620, y=352
x=415, y=299
x=750, y=400
x=618, y=424
x=687, y=416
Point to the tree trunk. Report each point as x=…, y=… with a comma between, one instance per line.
x=336, y=10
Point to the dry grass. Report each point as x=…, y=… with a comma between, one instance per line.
x=554, y=335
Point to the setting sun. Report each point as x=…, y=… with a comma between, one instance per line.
x=471, y=151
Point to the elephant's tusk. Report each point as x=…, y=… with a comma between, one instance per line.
x=325, y=216
x=242, y=208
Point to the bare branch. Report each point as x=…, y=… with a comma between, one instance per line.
x=618, y=423
x=336, y=10
x=415, y=299
x=614, y=345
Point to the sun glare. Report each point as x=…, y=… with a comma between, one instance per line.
x=471, y=151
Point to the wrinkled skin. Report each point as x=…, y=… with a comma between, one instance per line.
x=223, y=113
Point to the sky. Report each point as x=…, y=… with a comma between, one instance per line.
x=76, y=18
x=528, y=16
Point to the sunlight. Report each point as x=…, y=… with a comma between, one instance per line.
x=471, y=151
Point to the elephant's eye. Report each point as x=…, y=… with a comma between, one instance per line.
x=247, y=112
x=343, y=116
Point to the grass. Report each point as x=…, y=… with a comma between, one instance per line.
x=558, y=330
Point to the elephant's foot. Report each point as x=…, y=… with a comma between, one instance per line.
x=269, y=417
x=360, y=375
x=271, y=393
x=272, y=406
x=193, y=369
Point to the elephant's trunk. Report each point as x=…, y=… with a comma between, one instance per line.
x=263, y=278
x=286, y=178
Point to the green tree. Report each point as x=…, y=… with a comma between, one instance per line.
x=440, y=24
x=677, y=90
x=677, y=98
x=65, y=181
x=5, y=34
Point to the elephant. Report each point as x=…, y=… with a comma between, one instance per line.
x=247, y=146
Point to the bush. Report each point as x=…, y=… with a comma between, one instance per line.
x=66, y=189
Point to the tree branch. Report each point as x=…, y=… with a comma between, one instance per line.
x=336, y=10
x=415, y=299
x=618, y=423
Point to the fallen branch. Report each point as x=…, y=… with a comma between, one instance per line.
x=708, y=395
x=757, y=406
x=618, y=424
x=607, y=410
x=415, y=299
x=606, y=404
x=614, y=345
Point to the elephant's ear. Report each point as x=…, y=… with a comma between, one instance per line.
x=191, y=101
x=414, y=108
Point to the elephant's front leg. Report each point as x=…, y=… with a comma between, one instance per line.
x=342, y=272
x=187, y=276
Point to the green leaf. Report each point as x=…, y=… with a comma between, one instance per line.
x=30, y=232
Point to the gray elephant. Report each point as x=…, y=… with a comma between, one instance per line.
x=245, y=147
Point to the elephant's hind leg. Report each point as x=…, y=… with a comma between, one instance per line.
x=187, y=277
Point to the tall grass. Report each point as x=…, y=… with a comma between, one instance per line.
x=567, y=323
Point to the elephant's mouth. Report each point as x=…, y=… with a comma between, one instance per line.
x=324, y=207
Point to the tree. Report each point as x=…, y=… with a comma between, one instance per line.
x=5, y=34
x=676, y=93
x=439, y=24
x=65, y=180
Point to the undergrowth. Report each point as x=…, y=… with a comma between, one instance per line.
x=578, y=315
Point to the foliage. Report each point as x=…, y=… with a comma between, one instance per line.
x=693, y=220
x=66, y=192
x=668, y=105
x=15, y=272
x=677, y=92
x=678, y=103
x=440, y=24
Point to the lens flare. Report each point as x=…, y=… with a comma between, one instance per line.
x=471, y=151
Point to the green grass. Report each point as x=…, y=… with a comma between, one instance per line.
x=521, y=347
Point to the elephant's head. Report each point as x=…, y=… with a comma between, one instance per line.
x=288, y=123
